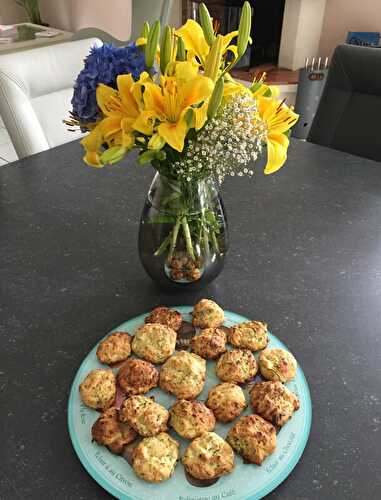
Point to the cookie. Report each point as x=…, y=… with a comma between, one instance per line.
x=183, y=375
x=190, y=419
x=249, y=335
x=227, y=401
x=210, y=343
x=98, y=389
x=154, y=342
x=274, y=402
x=207, y=314
x=277, y=364
x=253, y=438
x=236, y=366
x=208, y=457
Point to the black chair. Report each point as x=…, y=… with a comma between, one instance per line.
x=349, y=113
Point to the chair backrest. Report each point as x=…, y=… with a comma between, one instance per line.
x=36, y=87
x=98, y=33
x=348, y=117
x=148, y=10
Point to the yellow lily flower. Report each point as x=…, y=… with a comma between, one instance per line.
x=170, y=101
x=92, y=143
x=278, y=118
x=195, y=43
x=121, y=109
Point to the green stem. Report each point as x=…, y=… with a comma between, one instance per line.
x=215, y=242
x=188, y=239
x=164, y=245
x=205, y=238
x=174, y=234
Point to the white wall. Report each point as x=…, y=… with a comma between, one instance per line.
x=113, y=16
x=11, y=13
x=342, y=16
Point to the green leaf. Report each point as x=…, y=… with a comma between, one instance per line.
x=146, y=157
x=113, y=155
x=150, y=155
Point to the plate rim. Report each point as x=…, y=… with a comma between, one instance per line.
x=114, y=492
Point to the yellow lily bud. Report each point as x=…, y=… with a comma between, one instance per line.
x=151, y=46
x=145, y=30
x=215, y=100
x=181, y=56
x=206, y=24
x=213, y=61
x=244, y=29
x=166, y=49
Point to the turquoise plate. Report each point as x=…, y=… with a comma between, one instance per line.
x=247, y=481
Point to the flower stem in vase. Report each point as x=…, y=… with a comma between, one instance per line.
x=163, y=245
x=188, y=239
x=205, y=238
x=174, y=235
x=215, y=242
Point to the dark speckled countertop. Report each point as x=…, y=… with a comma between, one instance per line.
x=305, y=256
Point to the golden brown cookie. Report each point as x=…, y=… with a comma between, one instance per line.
x=210, y=343
x=277, y=364
x=207, y=314
x=114, y=348
x=137, y=376
x=190, y=419
x=208, y=457
x=227, y=401
x=98, y=389
x=237, y=366
x=253, y=438
x=274, y=402
x=154, y=342
x=249, y=335
x=109, y=431
x=144, y=415
x=165, y=316
x=155, y=458
x=183, y=375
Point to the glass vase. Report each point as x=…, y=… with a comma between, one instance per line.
x=183, y=237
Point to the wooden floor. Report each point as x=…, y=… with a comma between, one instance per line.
x=275, y=75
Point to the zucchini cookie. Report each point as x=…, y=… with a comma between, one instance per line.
x=137, y=376
x=237, y=366
x=114, y=348
x=144, y=415
x=249, y=335
x=109, y=431
x=98, y=389
x=154, y=459
x=274, y=402
x=183, y=375
x=227, y=401
x=252, y=437
x=210, y=343
x=208, y=457
x=190, y=419
x=165, y=316
x=207, y=314
x=154, y=342
x=277, y=364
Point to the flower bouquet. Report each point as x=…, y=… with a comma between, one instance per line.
x=172, y=98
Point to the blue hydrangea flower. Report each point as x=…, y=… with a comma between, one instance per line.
x=103, y=65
